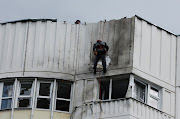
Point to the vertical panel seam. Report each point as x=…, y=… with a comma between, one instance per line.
x=170, y=59
x=35, y=35
x=44, y=44
x=25, y=53
x=70, y=48
x=140, y=52
x=160, y=55
x=2, y=52
x=13, y=47
x=150, y=62
x=64, y=45
x=54, y=47
x=77, y=49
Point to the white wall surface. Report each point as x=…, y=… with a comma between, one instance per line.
x=54, y=49
x=154, y=59
x=154, y=52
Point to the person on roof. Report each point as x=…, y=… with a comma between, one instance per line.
x=77, y=22
x=100, y=48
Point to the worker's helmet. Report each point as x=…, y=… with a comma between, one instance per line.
x=98, y=41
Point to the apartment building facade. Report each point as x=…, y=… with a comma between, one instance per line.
x=46, y=70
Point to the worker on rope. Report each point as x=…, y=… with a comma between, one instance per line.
x=100, y=48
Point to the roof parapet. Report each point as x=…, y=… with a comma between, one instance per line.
x=31, y=20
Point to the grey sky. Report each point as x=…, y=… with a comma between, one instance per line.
x=164, y=13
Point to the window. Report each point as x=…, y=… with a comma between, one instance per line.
x=140, y=91
x=44, y=95
x=7, y=94
x=154, y=97
x=114, y=88
x=25, y=94
x=63, y=96
x=50, y=94
x=146, y=92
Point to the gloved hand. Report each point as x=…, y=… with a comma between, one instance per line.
x=95, y=52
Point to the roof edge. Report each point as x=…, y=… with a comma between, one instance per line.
x=31, y=20
x=155, y=25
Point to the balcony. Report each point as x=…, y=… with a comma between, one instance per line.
x=128, y=108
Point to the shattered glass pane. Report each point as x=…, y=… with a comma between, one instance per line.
x=25, y=88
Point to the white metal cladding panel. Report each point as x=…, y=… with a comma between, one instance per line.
x=50, y=47
x=12, y=46
x=168, y=104
x=154, y=51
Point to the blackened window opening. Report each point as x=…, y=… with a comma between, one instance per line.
x=114, y=87
x=64, y=90
x=44, y=89
x=119, y=88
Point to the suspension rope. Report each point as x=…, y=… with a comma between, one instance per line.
x=100, y=90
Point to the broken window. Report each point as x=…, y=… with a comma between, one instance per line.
x=140, y=91
x=146, y=92
x=25, y=94
x=7, y=95
x=114, y=88
x=153, y=97
x=44, y=95
x=104, y=91
x=63, y=96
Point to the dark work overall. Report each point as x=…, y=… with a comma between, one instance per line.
x=101, y=54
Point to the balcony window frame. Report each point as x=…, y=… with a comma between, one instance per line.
x=44, y=97
x=147, y=92
x=63, y=99
x=25, y=96
x=158, y=98
x=35, y=93
x=111, y=81
x=5, y=98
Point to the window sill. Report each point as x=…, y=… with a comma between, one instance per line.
x=5, y=109
x=61, y=111
x=23, y=108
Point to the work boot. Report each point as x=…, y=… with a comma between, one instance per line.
x=104, y=70
x=94, y=71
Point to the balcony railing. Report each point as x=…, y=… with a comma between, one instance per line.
x=122, y=109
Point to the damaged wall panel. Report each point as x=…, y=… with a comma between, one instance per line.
x=118, y=36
